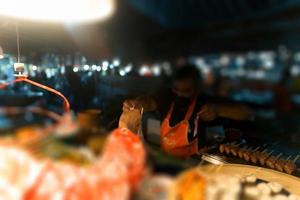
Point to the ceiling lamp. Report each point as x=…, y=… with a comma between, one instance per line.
x=1, y=53
x=57, y=10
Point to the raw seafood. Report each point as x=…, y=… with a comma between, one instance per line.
x=113, y=176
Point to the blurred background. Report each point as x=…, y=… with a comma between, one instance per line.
x=247, y=51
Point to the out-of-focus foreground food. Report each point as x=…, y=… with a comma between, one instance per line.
x=234, y=182
x=113, y=175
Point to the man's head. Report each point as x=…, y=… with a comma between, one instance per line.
x=187, y=80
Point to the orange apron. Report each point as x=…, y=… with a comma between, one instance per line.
x=174, y=140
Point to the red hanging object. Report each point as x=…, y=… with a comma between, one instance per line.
x=25, y=79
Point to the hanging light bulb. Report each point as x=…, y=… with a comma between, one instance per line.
x=19, y=69
x=58, y=10
x=1, y=53
x=18, y=66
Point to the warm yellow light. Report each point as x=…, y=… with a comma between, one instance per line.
x=1, y=53
x=57, y=10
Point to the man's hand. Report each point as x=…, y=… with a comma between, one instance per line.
x=237, y=112
x=131, y=104
x=208, y=112
x=148, y=104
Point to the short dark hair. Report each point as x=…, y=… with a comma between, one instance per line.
x=188, y=71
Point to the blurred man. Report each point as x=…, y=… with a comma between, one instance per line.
x=185, y=108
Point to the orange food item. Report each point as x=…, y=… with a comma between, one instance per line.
x=116, y=173
x=191, y=186
x=28, y=134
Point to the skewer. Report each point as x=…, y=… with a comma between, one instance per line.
x=280, y=163
x=241, y=151
x=296, y=158
x=222, y=148
x=253, y=155
x=290, y=165
x=228, y=147
x=246, y=154
x=235, y=148
x=272, y=160
x=264, y=155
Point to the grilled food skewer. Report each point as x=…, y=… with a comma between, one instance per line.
x=234, y=149
x=272, y=160
x=246, y=154
x=280, y=163
x=251, y=155
x=254, y=157
x=241, y=151
x=228, y=147
x=264, y=155
x=290, y=165
x=222, y=148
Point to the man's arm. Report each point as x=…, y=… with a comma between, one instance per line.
x=234, y=111
x=231, y=111
x=148, y=103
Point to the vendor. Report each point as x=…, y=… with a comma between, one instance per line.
x=184, y=109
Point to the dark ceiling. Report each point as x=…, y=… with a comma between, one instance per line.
x=162, y=29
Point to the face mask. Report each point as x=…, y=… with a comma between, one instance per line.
x=179, y=100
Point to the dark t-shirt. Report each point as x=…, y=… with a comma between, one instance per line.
x=164, y=99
